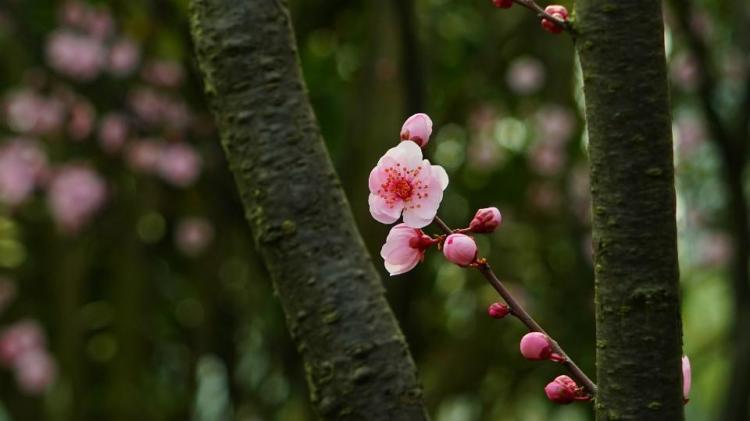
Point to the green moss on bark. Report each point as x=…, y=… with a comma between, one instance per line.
x=639, y=331
x=356, y=359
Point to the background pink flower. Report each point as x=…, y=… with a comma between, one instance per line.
x=22, y=166
x=75, y=194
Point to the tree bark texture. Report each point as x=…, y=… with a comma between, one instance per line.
x=357, y=362
x=638, y=324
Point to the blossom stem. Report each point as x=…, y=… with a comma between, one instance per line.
x=517, y=310
x=531, y=5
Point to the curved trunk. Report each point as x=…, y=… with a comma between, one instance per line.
x=639, y=331
x=357, y=361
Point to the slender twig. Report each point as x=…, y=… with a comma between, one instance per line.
x=541, y=14
x=525, y=318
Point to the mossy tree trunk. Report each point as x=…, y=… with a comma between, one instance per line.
x=639, y=330
x=356, y=358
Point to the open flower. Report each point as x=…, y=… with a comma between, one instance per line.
x=404, y=248
x=403, y=182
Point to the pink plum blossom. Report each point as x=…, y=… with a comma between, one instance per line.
x=78, y=56
x=22, y=166
x=35, y=371
x=486, y=220
x=403, y=182
x=417, y=128
x=21, y=337
x=460, y=249
x=75, y=194
x=179, y=164
x=124, y=56
x=193, y=235
x=404, y=248
x=562, y=390
x=536, y=346
x=99, y=23
x=687, y=377
x=498, y=310
x=113, y=132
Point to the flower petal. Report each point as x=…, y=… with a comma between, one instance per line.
x=408, y=154
x=439, y=173
x=398, y=269
x=382, y=212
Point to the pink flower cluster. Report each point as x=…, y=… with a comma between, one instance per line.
x=403, y=184
x=23, y=167
x=83, y=47
x=23, y=349
x=176, y=163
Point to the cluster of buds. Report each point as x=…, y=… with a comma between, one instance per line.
x=552, y=16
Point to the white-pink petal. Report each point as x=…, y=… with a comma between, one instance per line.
x=382, y=211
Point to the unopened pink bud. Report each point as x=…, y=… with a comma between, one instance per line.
x=486, y=220
x=556, y=11
x=418, y=129
x=536, y=346
x=460, y=249
x=498, y=310
x=562, y=390
x=502, y=4
x=686, y=378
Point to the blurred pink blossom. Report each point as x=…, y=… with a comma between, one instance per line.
x=22, y=166
x=525, y=75
x=544, y=197
x=99, y=22
x=29, y=112
x=179, y=164
x=690, y=134
x=74, y=13
x=75, y=194
x=193, y=235
x=714, y=249
x=113, y=132
x=684, y=71
x=555, y=123
x=18, y=339
x=547, y=158
x=81, y=123
x=124, y=56
x=78, y=56
x=165, y=73
x=35, y=371
x=143, y=155
x=154, y=108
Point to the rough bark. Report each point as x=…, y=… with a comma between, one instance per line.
x=357, y=361
x=638, y=326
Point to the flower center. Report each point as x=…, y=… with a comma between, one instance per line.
x=401, y=188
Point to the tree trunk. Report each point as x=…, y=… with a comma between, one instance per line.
x=357, y=361
x=639, y=331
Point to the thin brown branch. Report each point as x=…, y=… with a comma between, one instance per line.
x=517, y=310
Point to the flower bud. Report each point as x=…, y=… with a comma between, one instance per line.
x=535, y=346
x=460, y=249
x=556, y=11
x=502, y=4
x=686, y=378
x=498, y=310
x=562, y=390
x=418, y=129
x=486, y=220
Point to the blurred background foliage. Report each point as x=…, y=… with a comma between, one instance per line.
x=130, y=287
